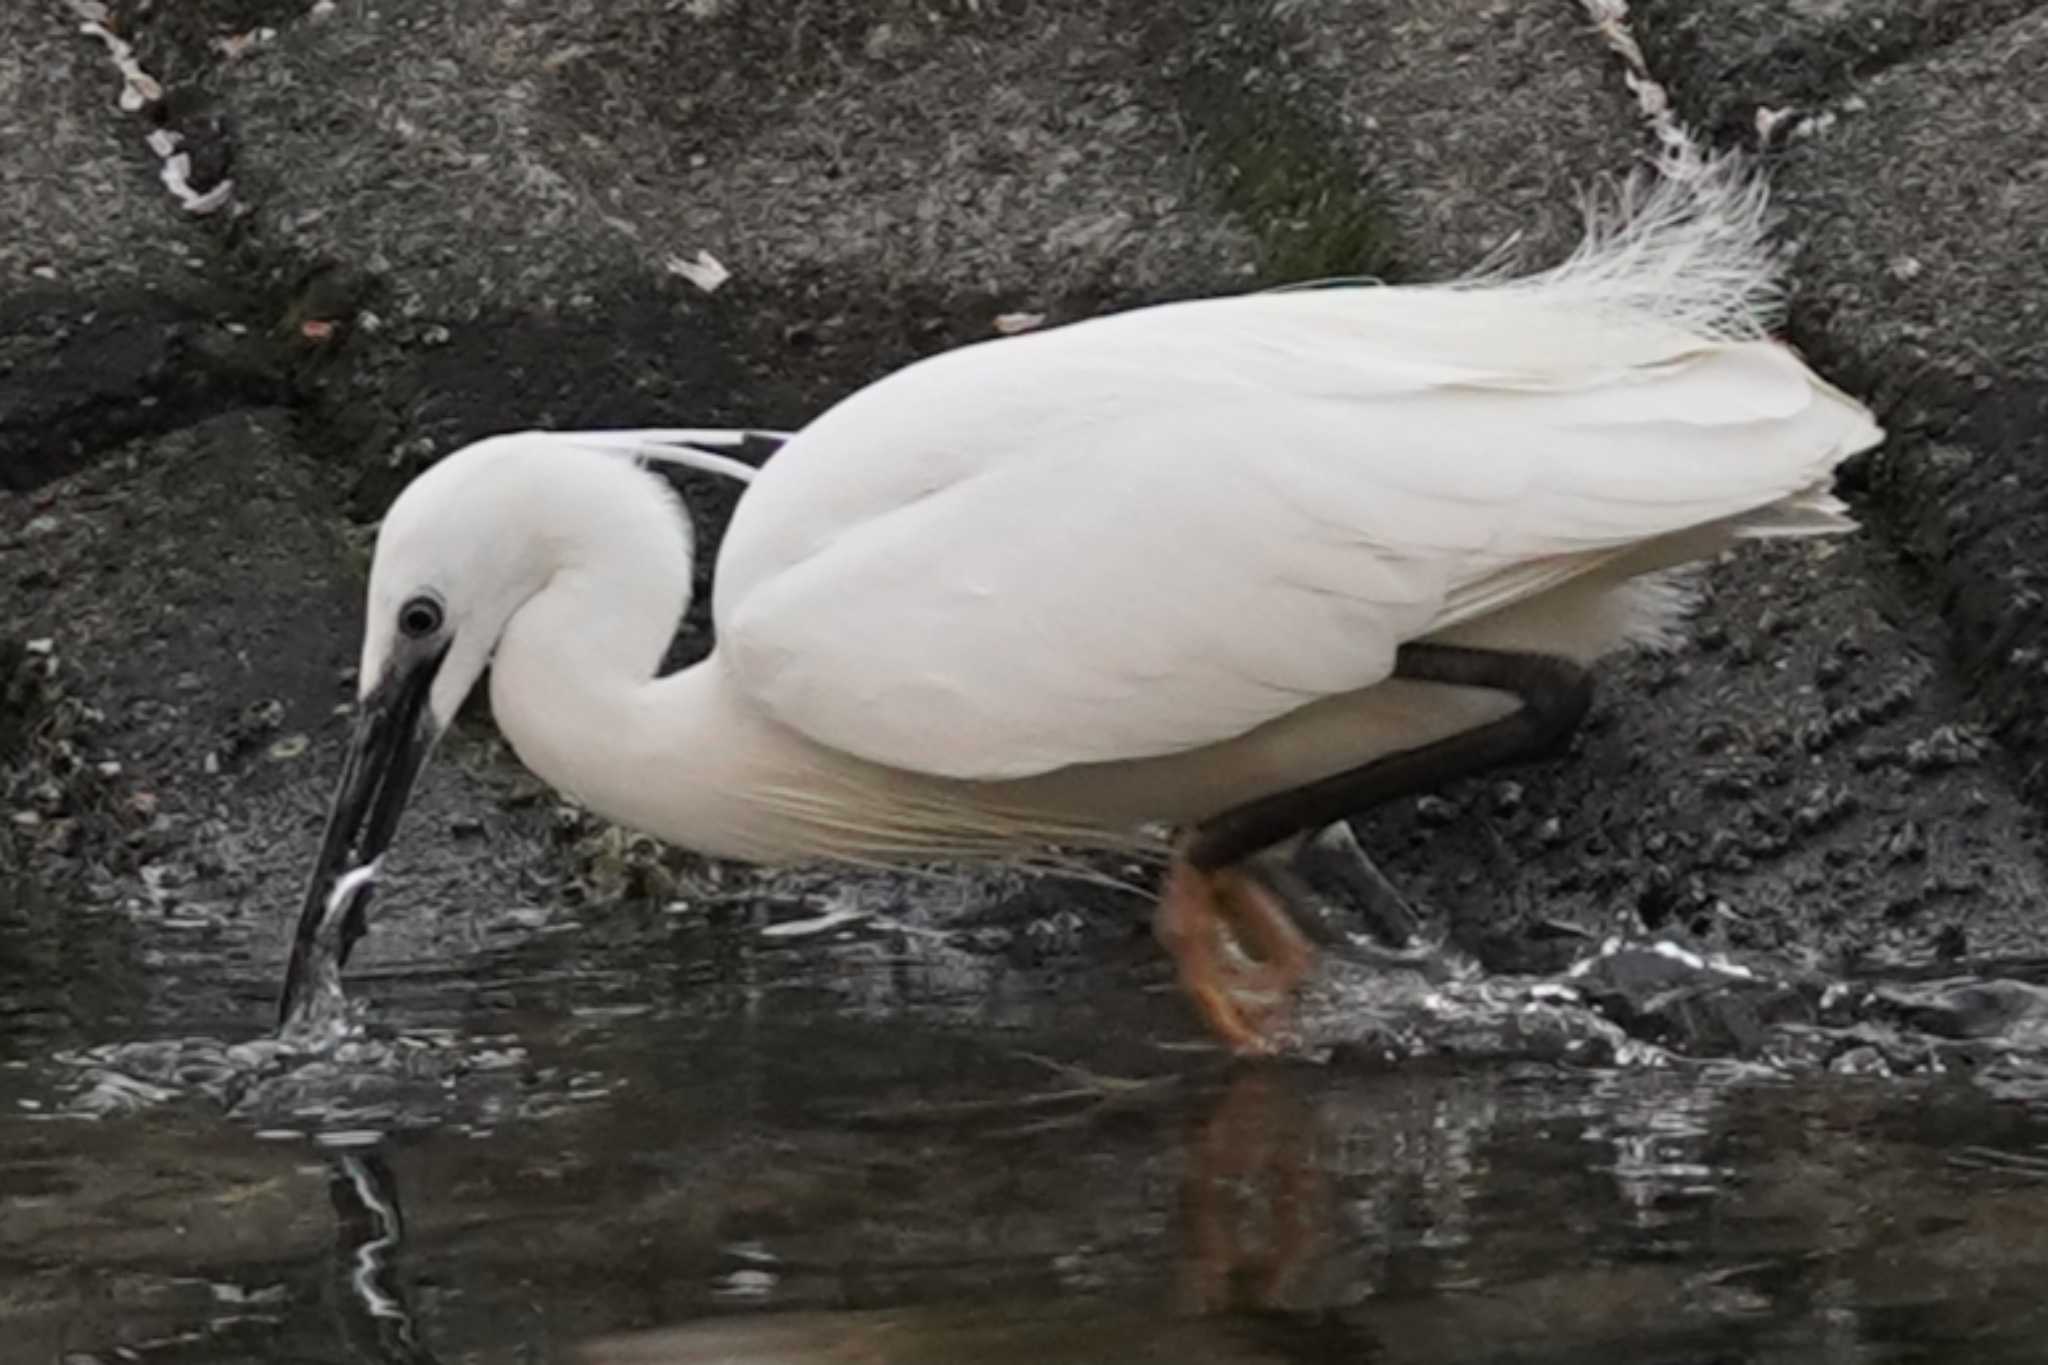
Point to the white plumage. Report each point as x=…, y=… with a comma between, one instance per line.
x=1148, y=536
x=1151, y=533
x=1142, y=568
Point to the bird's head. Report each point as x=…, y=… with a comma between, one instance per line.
x=465, y=547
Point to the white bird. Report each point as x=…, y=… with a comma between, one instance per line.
x=1240, y=566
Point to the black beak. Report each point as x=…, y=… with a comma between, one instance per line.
x=395, y=731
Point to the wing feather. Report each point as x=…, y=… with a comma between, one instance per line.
x=1156, y=530
x=1118, y=583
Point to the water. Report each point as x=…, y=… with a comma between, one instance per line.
x=685, y=1138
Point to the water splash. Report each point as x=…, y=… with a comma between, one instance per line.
x=1628, y=1004
x=321, y=1018
x=325, y=1073
x=420, y=1079
x=1659, y=1002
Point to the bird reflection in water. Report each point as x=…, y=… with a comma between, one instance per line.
x=1255, y=1209
x=375, y=1319
x=1255, y=1203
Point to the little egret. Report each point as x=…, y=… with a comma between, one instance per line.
x=1235, y=566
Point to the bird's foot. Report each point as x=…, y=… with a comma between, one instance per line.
x=1240, y=996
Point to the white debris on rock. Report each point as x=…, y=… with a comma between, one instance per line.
x=138, y=87
x=705, y=270
x=235, y=46
x=1610, y=19
x=140, y=90
x=1773, y=125
x=177, y=178
x=1681, y=151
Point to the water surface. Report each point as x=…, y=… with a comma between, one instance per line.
x=679, y=1139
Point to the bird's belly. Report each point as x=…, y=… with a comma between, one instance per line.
x=1337, y=734
x=739, y=786
x=1330, y=736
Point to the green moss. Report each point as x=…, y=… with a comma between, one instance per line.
x=1313, y=221
x=1296, y=182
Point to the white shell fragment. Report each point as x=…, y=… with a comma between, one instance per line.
x=139, y=90
x=705, y=270
x=1610, y=21
x=177, y=178
x=236, y=46
x=1770, y=123
x=138, y=87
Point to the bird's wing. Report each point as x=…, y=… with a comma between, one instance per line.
x=1120, y=578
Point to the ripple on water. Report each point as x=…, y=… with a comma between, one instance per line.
x=1627, y=1005
x=326, y=1074
x=419, y=1079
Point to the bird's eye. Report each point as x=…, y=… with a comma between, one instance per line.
x=420, y=617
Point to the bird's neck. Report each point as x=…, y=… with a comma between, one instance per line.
x=574, y=691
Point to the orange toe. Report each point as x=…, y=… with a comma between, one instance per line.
x=1196, y=910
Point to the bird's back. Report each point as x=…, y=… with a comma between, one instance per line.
x=1236, y=506
x=1683, y=270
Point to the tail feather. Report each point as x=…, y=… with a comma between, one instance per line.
x=1685, y=247
x=1813, y=511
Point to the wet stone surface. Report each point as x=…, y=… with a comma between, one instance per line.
x=1729, y=1039
x=196, y=601
x=1818, y=786
x=1916, y=190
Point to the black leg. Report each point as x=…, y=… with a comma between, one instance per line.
x=1333, y=859
x=1554, y=694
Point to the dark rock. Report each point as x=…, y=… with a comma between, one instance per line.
x=1726, y=59
x=205, y=602
x=1918, y=202
x=1967, y=1008
x=1674, y=995
x=79, y=375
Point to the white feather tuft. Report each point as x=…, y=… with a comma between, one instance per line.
x=1685, y=248
x=1656, y=607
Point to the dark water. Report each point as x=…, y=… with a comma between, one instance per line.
x=678, y=1139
